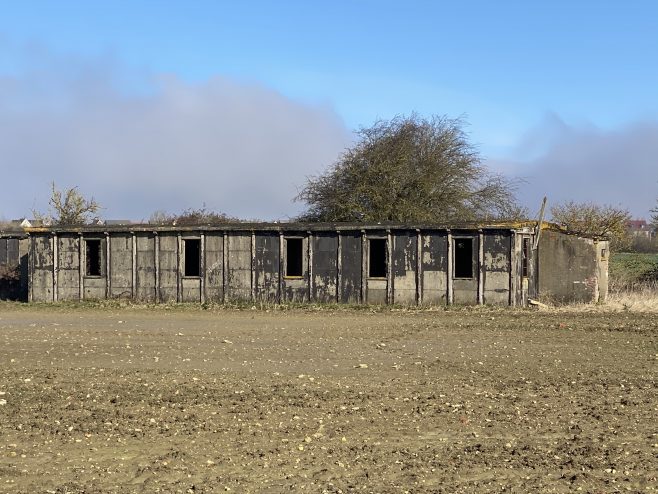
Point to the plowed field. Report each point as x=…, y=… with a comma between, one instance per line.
x=153, y=400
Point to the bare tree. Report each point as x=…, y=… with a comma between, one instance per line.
x=409, y=169
x=594, y=219
x=68, y=207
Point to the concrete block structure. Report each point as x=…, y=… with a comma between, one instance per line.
x=498, y=264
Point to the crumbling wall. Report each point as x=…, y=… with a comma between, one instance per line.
x=214, y=262
x=238, y=279
x=568, y=268
x=496, y=268
x=405, y=267
x=267, y=268
x=351, y=267
x=121, y=265
x=434, y=268
x=325, y=267
x=145, y=267
x=329, y=266
x=465, y=289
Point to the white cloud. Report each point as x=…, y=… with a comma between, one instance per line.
x=140, y=142
x=584, y=163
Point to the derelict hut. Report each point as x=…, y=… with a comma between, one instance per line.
x=504, y=264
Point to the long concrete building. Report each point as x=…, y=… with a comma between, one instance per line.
x=500, y=264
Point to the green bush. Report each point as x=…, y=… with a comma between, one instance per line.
x=633, y=270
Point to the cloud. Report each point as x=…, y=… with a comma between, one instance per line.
x=585, y=163
x=139, y=142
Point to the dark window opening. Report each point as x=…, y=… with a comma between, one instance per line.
x=525, y=257
x=377, y=258
x=93, y=252
x=294, y=257
x=192, y=257
x=463, y=258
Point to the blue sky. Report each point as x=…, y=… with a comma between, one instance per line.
x=563, y=94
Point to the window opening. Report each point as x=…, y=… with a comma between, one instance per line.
x=294, y=257
x=463, y=258
x=525, y=257
x=192, y=257
x=377, y=258
x=93, y=262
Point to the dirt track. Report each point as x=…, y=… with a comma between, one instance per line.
x=143, y=400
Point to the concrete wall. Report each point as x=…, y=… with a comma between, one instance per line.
x=251, y=266
x=571, y=268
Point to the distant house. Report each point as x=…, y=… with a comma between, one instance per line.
x=640, y=228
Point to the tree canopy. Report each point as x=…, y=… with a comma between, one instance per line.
x=68, y=207
x=410, y=169
x=593, y=219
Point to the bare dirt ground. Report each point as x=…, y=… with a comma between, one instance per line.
x=156, y=400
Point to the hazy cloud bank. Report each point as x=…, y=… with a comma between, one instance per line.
x=141, y=142
x=585, y=163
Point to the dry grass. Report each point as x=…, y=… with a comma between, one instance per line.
x=638, y=299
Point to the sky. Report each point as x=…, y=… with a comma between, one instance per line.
x=169, y=105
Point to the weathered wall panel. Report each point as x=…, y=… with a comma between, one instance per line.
x=42, y=269
x=297, y=289
x=214, y=262
x=190, y=285
x=351, y=267
x=497, y=268
x=191, y=288
x=168, y=267
x=121, y=265
x=238, y=280
x=376, y=288
x=405, y=265
x=325, y=267
x=434, y=262
x=569, y=268
x=145, y=267
x=69, y=265
x=465, y=290
x=94, y=288
x=603, y=255
x=267, y=267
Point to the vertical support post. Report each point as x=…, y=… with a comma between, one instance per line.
x=108, y=266
x=390, y=297
x=339, y=267
x=310, y=265
x=480, y=267
x=451, y=263
x=179, y=266
x=157, y=266
x=253, y=266
x=224, y=265
x=280, y=288
x=82, y=263
x=134, y=266
x=364, y=267
x=419, y=267
x=202, y=267
x=55, y=250
x=30, y=291
x=513, y=286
